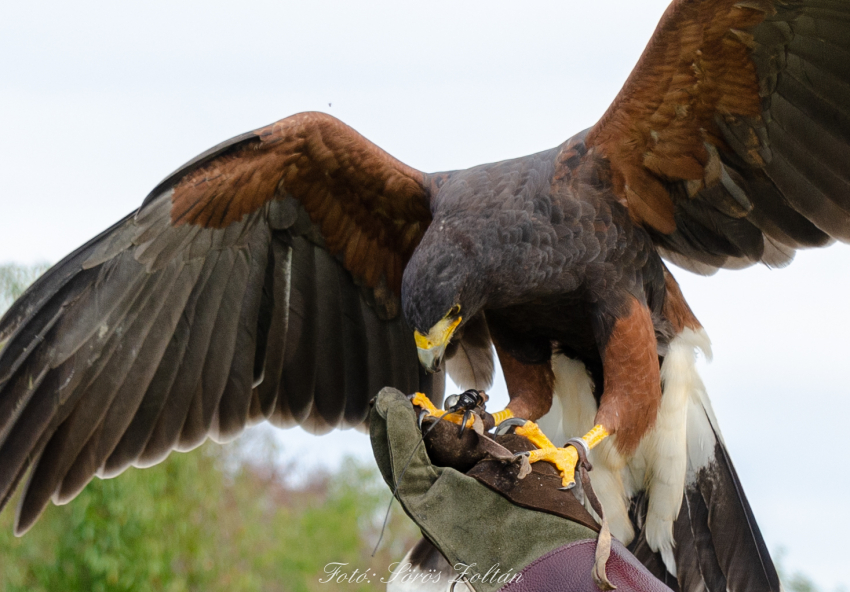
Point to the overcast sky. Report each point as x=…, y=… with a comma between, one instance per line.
x=100, y=100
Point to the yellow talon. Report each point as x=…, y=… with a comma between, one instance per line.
x=535, y=434
x=564, y=459
x=421, y=400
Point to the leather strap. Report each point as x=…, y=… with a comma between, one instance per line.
x=603, y=543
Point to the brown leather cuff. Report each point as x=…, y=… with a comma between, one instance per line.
x=568, y=569
x=491, y=461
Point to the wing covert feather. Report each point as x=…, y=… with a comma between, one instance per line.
x=369, y=207
x=735, y=126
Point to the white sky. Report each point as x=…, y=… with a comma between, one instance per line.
x=100, y=100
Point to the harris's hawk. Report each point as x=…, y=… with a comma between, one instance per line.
x=281, y=275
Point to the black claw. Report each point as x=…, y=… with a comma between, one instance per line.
x=568, y=487
x=509, y=423
x=422, y=415
x=466, y=417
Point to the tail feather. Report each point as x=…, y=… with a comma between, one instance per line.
x=729, y=547
x=652, y=560
x=695, y=547
x=727, y=521
x=428, y=571
x=718, y=545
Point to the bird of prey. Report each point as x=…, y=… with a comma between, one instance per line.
x=289, y=273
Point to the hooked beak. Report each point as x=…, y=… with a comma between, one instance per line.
x=431, y=347
x=432, y=357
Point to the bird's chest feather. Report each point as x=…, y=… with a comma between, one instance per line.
x=530, y=330
x=561, y=266
x=563, y=252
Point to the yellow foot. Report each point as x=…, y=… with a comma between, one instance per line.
x=531, y=431
x=564, y=459
x=430, y=410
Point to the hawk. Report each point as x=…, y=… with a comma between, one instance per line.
x=291, y=272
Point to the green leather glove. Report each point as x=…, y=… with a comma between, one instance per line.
x=468, y=522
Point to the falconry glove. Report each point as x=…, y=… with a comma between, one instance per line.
x=493, y=542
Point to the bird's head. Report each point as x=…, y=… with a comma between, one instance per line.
x=432, y=344
x=441, y=289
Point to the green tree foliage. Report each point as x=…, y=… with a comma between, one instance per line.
x=14, y=279
x=208, y=520
x=796, y=581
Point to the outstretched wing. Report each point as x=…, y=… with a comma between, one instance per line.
x=730, y=140
x=260, y=280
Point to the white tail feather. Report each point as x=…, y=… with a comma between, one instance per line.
x=681, y=440
x=664, y=451
x=571, y=416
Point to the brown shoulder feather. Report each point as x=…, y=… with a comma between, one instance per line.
x=694, y=67
x=371, y=208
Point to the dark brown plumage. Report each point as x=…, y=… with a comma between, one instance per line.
x=280, y=275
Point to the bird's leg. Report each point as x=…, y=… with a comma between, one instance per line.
x=502, y=415
x=430, y=410
x=530, y=387
x=630, y=400
x=631, y=373
x=631, y=394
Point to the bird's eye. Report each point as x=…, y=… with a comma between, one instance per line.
x=455, y=310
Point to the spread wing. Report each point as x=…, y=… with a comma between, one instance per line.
x=259, y=281
x=730, y=140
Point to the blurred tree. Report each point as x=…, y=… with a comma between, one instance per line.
x=195, y=522
x=793, y=582
x=14, y=279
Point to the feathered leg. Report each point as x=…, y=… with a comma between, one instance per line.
x=631, y=394
x=632, y=382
